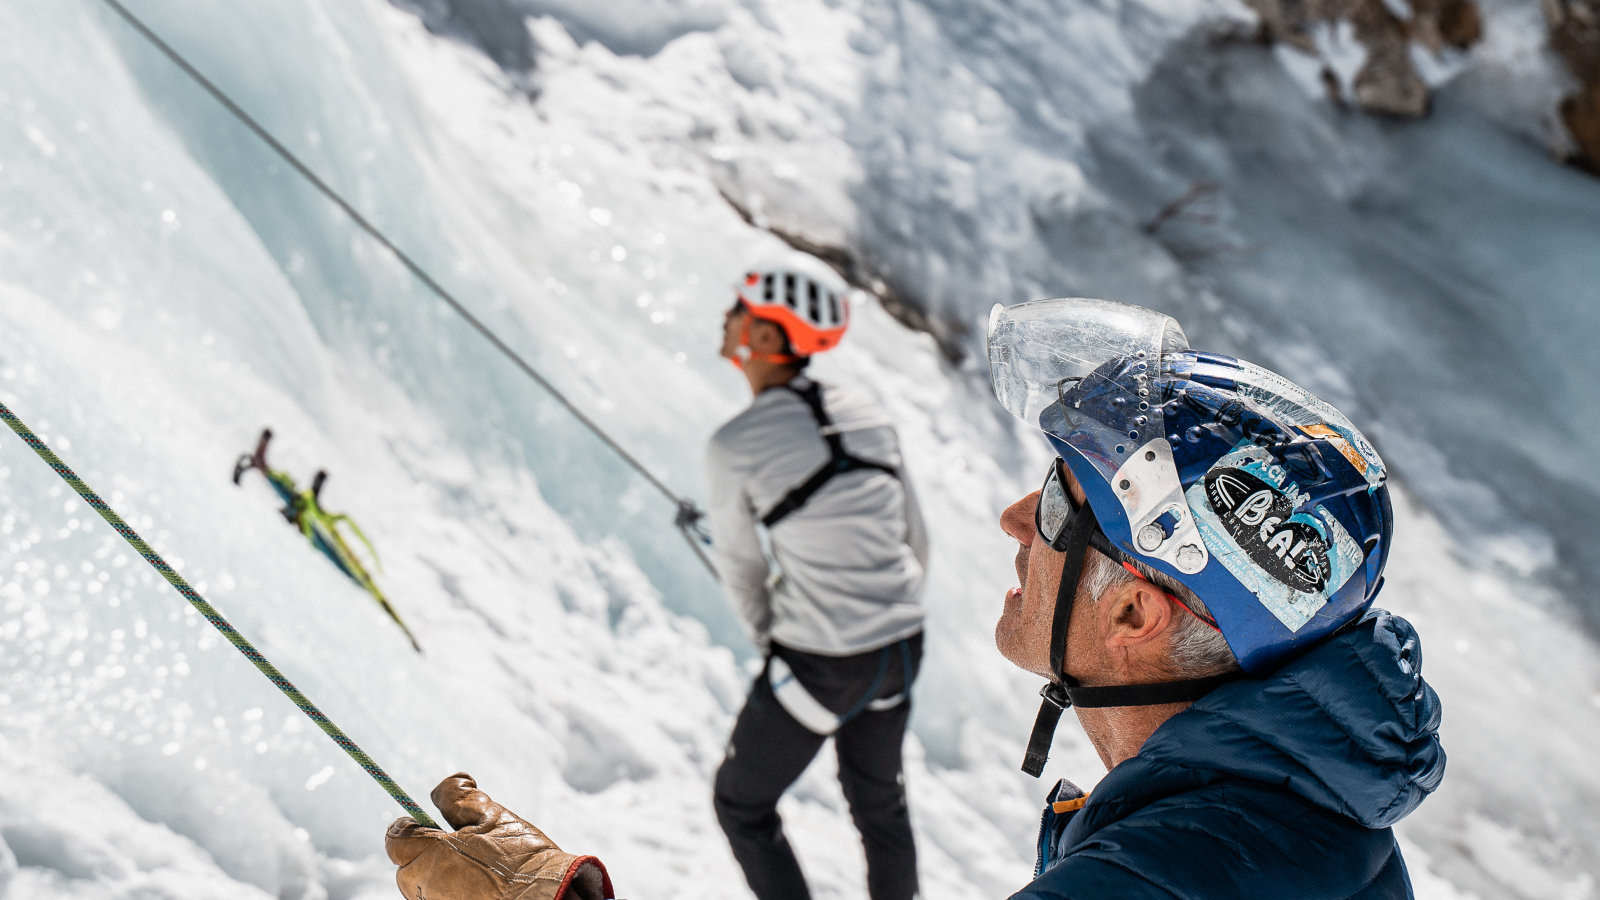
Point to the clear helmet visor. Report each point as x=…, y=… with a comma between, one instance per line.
x=1040, y=349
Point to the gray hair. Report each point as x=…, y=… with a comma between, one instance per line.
x=1197, y=650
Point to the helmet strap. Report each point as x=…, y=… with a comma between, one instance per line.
x=1055, y=693
x=1064, y=691
x=746, y=353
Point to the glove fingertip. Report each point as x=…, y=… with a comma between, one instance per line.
x=586, y=879
x=406, y=840
x=452, y=787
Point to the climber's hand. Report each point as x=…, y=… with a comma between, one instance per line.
x=492, y=855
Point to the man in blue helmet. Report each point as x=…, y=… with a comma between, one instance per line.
x=1197, y=574
x=1196, y=578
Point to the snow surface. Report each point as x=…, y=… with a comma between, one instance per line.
x=167, y=288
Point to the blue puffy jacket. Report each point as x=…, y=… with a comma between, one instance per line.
x=1283, y=787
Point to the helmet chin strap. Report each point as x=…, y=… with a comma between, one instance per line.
x=1063, y=690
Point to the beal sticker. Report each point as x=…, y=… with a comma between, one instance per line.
x=1253, y=517
x=1259, y=517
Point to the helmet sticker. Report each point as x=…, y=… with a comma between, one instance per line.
x=1260, y=519
x=1353, y=446
x=1248, y=512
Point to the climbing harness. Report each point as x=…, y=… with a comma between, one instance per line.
x=818, y=719
x=215, y=618
x=304, y=511
x=688, y=514
x=839, y=460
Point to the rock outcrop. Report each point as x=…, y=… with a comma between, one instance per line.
x=1575, y=37
x=1387, y=83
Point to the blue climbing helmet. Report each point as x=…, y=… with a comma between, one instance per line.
x=1263, y=500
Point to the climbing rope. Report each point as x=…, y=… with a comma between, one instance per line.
x=216, y=619
x=688, y=514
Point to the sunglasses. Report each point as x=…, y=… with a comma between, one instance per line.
x=1055, y=515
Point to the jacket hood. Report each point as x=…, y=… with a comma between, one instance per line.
x=1350, y=726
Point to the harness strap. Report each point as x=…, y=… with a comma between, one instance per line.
x=839, y=459
x=872, y=692
x=893, y=700
x=806, y=709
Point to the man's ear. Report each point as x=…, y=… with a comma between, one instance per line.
x=1140, y=613
x=766, y=337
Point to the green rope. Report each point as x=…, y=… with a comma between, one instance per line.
x=697, y=539
x=216, y=619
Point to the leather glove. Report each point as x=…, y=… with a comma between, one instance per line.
x=493, y=855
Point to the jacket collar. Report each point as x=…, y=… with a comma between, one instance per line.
x=1350, y=726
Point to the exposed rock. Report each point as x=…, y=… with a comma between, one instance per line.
x=1460, y=24
x=1581, y=113
x=1387, y=83
x=948, y=334
x=1575, y=37
x=1289, y=21
x=1437, y=24
x=1335, y=90
x=495, y=26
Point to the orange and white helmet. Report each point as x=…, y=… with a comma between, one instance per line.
x=803, y=296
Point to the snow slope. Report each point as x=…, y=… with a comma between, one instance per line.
x=167, y=288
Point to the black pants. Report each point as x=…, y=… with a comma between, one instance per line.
x=769, y=750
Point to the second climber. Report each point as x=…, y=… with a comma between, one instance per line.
x=822, y=550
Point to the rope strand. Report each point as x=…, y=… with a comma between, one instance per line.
x=410, y=264
x=215, y=618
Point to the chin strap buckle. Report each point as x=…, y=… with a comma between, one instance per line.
x=1044, y=727
x=1055, y=694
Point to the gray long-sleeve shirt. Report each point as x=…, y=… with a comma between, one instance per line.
x=852, y=559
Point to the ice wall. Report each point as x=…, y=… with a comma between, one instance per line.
x=166, y=288
x=168, y=291
x=1439, y=267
